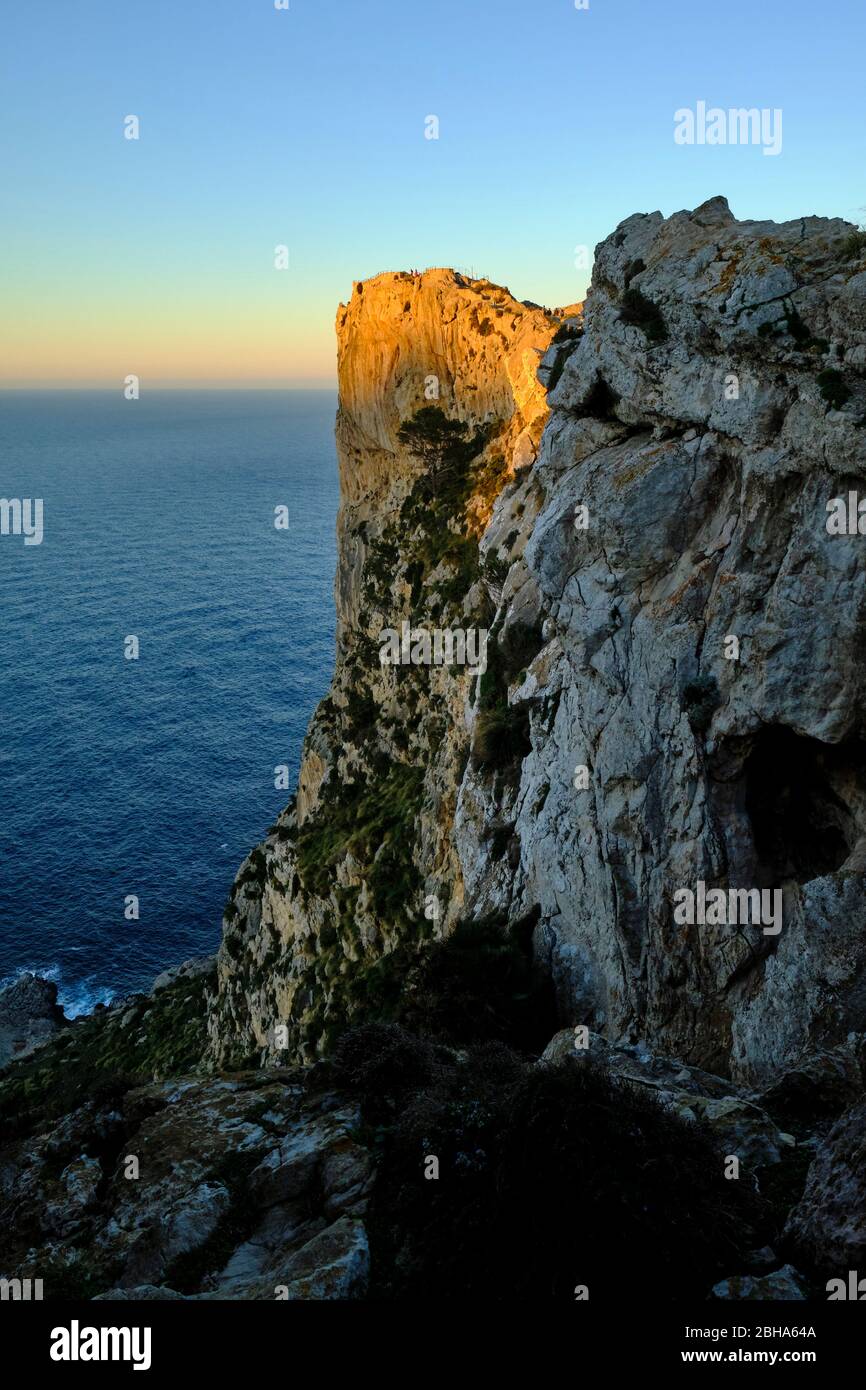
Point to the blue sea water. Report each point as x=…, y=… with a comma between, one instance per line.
x=153, y=777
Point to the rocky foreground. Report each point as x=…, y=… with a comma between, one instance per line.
x=377, y=1088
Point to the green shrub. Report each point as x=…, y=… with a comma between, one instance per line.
x=834, y=388
x=550, y=1177
x=361, y=710
x=98, y=1060
x=480, y=984
x=378, y=817
x=376, y=1058
x=796, y=326
x=424, y=536
x=509, y=652
x=461, y=552
x=854, y=246
x=495, y=570
x=446, y=447
x=501, y=736
x=567, y=333
x=700, y=699
x=255, y=874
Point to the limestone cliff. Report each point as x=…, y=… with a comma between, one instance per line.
x=633, y=503
x=703, y=415
x=326, y=915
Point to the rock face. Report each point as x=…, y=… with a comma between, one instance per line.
x=667, y=610
x=29, y=1016
x=630, y=505
x=693, y=422
x=828, y=1226
x=324, y=910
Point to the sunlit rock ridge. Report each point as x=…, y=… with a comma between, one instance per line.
x=637, y=484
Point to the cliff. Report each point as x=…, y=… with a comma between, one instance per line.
x=328, y=913
x=703, y=414
x=637, y=525
x=713, y=408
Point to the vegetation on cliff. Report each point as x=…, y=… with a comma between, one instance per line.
x=549, y=1178
x=157, y=1036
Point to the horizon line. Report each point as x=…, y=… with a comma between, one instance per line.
x=161, y=385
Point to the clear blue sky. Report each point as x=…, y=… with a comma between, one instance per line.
x=306, y=127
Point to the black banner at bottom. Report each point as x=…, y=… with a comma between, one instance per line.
x=235, y=1339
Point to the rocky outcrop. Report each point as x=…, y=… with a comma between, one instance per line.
x=782, y=1286
x=366, y=864
x=241, y=1188
x=709, y=413
x=739, y=1124
x=29, y=1016
x=828, y=1225
x=125, y=1173
x=189, y=970
x=819, y=1086
x=674, y=689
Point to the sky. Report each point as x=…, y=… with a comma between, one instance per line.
x=306, y=128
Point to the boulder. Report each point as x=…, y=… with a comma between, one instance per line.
x=740, y=1125
x=819, y=1086
x=827, y=1227
x=189, y=970
x=29, y=1016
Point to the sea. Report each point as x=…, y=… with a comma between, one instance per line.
x=150, y=777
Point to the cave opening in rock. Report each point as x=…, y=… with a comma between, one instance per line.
x=800, y=804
